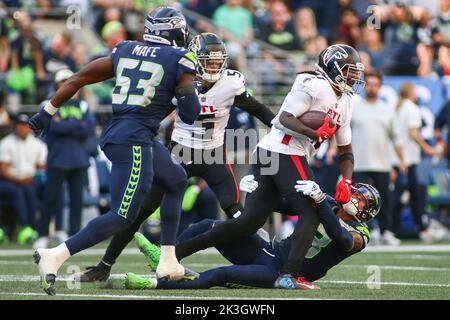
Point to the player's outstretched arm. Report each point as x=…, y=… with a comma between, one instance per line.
x=96, y=71
x=188, y=103
x=248, y=103
x=328, y=218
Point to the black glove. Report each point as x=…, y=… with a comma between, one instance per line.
x=40, y=122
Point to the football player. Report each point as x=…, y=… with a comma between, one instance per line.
x=257, y=262
x=289, y=146
x=192, y=144
x=148, y=75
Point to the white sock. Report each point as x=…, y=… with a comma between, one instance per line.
x=61, y=254
x=168, y=254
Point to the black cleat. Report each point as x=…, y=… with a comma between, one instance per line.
x=99, y=272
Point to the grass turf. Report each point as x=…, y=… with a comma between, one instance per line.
x=402, y=275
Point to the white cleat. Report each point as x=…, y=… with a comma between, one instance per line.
x=48, y=268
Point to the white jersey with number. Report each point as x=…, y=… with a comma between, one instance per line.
x=208, y=130
x=310, y=92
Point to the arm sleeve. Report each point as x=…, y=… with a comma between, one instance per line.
x=254, y=107
x=187, y=64
x=335, y=231
x=297, y=103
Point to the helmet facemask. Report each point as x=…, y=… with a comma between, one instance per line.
x=364, y=203
x=351, y=78
x=212, y=65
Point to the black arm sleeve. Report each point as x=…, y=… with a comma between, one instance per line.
x=254, y=107
x=335, y=231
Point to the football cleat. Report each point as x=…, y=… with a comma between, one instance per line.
x=48, y=278
x=133, y=281
x=27, y=235
x=99, y=272
x=286, y=281
x=150, y=251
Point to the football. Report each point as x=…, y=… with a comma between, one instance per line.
x=314, y=119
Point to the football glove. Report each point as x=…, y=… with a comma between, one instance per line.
x=40, y=122
x=311, y=189
x=343, y=191
x=248, y=184
x=325, y=132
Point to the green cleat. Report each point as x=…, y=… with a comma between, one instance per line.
x=151, y=252
x=133, y=281
x=27, y=235
x=2, y=236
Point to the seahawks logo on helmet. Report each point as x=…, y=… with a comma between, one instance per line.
x=166, y=25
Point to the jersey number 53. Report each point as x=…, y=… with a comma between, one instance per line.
x=148, y=76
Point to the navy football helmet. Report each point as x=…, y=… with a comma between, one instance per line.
x=211, y=54
x=365, y=202
x=342, y=66
x=166, y=25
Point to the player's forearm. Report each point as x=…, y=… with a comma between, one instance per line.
x=333, y=227
x=292, y=123
x=346, y=160
x=96, y=71
x=255, y=108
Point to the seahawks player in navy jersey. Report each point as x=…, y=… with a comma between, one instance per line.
x=220, y=89
x=148, y=75
x=257, y=262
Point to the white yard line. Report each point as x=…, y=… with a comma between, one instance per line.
x=386, y=267
x=408, y=284
x=114, y=296
x=31, y=278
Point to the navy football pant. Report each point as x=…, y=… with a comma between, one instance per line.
x=220, y=179
x=169, y=183
x=131, y=178
x=252, y=259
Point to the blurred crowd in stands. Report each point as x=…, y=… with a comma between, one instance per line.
x=41, y=38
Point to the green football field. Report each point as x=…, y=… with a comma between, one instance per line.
x=410, y=271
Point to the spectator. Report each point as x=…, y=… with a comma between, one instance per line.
x=305, y=24
x=234, y=22
x=442, y=122
x=373, y=128
x=373, y=46
x=67, y=161
x=79, y=55
x=5, y=121
x=349, y=28
x=280, y=32
x=441, y=36
x=21, y=154
x=4, y=42
x=58, y=56
x=409, y=120
x=27, y=61
x=401, y=38
x=204, y=7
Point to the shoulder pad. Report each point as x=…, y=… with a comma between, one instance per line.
x=235, y=80
x=312, y=84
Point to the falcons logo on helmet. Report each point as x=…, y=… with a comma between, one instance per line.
x=336, y=52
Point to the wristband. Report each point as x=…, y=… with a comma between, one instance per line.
x=50, y=109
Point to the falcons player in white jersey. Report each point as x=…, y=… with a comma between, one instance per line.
x=329, y=89
x=220, y=89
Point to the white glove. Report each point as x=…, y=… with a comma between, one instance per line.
x=248, y=184
x=311, y=189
